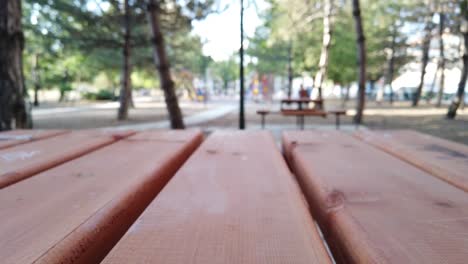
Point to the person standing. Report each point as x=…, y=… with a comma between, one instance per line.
x=303, y=94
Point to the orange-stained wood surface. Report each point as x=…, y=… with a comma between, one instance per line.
x=21, y=136
x=233, y=201
x=442, y=158
x=375, y=208
x=23, y=161
x=76, y=212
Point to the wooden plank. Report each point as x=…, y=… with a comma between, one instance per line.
x=375, y=208
x=20, y=136
x=442, y=158
x=23, y=161
x=234, y=201
x=76, y=212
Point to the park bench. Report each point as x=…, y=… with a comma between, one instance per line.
x=76, y=212
x=23, y=161
x=374, y=207
x=16, y=137
x=234, y=201
x=439, y=157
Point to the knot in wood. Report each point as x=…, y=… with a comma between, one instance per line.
x=334, y=201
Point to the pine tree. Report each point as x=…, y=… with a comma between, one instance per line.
x=13, y=105
x=361, y=51
x=452, y=111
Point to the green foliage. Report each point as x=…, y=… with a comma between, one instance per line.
x=85, y=38
x=342, y=66
x=300, y=23
x=103, y=94
x=272, y=56
x=144, y=79
x=75, y=42
x=382, y=19
x=227, y=71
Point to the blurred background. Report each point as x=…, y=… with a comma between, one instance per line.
x=98, y=63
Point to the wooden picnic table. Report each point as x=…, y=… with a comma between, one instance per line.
x=173, y=197
x=300, y=112
x=20, y=136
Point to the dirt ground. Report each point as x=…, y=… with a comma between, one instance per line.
x=401, y=115
x=87, y=116
x=425, y=118
x=456, y=130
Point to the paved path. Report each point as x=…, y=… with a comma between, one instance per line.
x=192, y=120
x=40, y=112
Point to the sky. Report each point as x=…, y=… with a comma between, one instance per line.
x=221, y=32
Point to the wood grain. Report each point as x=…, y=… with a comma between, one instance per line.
x=442, y=158
x=233, y=201
x=375, y=208
x=76, y=212
x=23, y=161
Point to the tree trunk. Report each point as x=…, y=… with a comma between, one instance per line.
x=361, y=52
x=346, y=97
x=64, y=86
x=131, y=102
x=452, y=111
x=190, y=93
x=434, y=80
x=290, y=70
x=441, y=59
x=162, y=63
x=348, y=87
x=425, y=58
x=12, y=87
x=372, y=87
x=241, y=69
x=391, y=63
x=37, y=80
x=126, y=67
x=326, y=42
